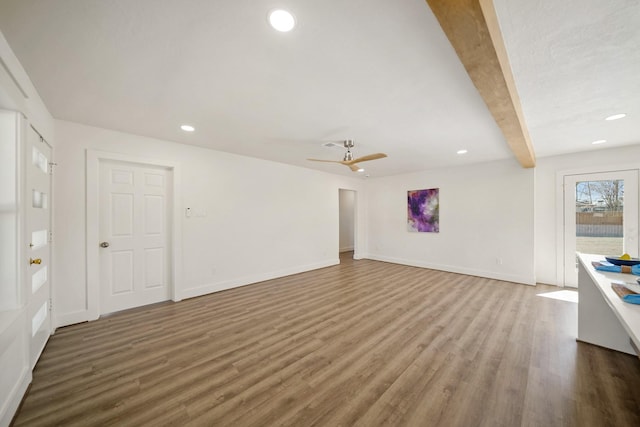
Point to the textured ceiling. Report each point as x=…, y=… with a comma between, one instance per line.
x=576, y=62
x=382, y=73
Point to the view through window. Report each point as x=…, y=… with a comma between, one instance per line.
x=599, y=209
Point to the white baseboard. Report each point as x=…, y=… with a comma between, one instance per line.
x=248, y=280
x=15, y=374
x=10, y=407
x=455, y=269
x=71, y=318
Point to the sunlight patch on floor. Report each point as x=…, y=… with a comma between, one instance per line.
x=565, y=295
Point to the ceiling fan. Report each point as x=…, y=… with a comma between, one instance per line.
x=348, y=157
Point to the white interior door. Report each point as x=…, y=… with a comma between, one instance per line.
x=600, y=217
x=38, y=229
x=134, y=203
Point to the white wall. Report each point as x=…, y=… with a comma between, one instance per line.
x=263, y=219
x=547, y=209
x=486, y=217
x=17, y=93
x=347, y=219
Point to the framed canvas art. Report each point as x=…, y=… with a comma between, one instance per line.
x=423, y=210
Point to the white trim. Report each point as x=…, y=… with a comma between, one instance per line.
x=93, y=159
x=15, y=338
x=71, y=318
x=10, y=407
x=560, y=229
x=454, y=269
x=248, y=280
x=361, y=239
x=50, y=169
x=356, y=221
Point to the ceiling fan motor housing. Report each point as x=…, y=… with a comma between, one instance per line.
x=348, y=144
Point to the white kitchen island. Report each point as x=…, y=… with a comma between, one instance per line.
x=603, y=318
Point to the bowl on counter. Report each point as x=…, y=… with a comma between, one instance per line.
x=617, y=261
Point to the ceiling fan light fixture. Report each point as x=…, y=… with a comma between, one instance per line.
x=348, y=156
x=616, y=117
x=282, y=20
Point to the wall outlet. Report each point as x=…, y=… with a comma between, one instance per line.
x=499, y=261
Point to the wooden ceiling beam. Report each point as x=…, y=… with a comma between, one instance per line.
x=473, y=30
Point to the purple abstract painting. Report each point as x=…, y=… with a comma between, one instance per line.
x=423, y=210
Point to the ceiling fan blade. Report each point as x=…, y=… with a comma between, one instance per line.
x=328, y=161
x=368, y=157
x=352, y=164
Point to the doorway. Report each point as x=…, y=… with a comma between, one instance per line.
x=131, y=201
x=134, y=235
x=347, y=220
x=600, y=217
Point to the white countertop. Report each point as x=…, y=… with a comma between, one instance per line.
x=627, y=314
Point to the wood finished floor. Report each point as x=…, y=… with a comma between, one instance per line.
x=363, y=343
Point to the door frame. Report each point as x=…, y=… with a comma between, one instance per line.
x=560, y=211
x=356, y=221
x=93, y=160
x=354, y=216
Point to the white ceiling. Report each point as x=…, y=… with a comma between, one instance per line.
x=380, y=72
x=575, y=62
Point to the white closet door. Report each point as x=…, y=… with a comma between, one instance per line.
x=38, y=228
x=134, y=235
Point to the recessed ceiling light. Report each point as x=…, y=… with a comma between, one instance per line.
x=282, y=20
x=360, y=170
x=616, y=116
x=187, y=128
x=600, y=141
x=462, y=152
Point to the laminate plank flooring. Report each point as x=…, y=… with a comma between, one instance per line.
x=363, y=343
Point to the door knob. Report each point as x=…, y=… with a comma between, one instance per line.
x=35, y=261
x=104, y=244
